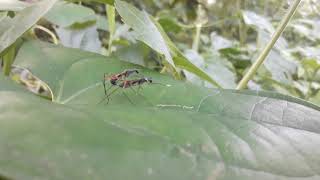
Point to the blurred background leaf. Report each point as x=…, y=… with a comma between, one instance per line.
x=13, y=5
x=144, y=28
x=65, y=14
x=12, y=28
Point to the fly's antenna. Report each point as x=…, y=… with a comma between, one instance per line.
x=149, y=80
x=167, y=85
x=128, y=72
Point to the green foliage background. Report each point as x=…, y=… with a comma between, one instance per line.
x=232, y=34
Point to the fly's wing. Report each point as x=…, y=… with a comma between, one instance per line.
x=130, y=72
x=135, y=76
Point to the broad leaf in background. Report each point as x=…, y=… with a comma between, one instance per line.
x=259, y=22
x=145, y=30
x=85, y=38
x=309, y=28
x=240, y=57
x=264, y=29
x=66, y=14
x=135, y=53
x=181, y=61
x=212, y=66
x=170, y=25
x=212, y=134
x=281, y=67
x=12, y=5
x=264, y=37
x=75, y=26
x=123, y=31
x=198, y=61
x=102, y=23
x=12, y=28
x=308, y=52
x=219, y=42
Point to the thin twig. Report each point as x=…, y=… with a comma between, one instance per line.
x=254, y=68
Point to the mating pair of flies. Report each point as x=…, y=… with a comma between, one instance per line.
x=120, y=81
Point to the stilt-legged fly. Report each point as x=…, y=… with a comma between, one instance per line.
x=124, y=84
x=114, y=78
x=120, y=81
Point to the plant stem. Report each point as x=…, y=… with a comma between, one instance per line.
x=112, y=25
x=195, y=44
x=163, y=70
x=8, y=60
x=254, y=68
x=242, y=25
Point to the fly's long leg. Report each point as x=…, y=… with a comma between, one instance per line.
x=139, y=89
x=119, y=81
x=128, y=97
x=108, y=95
x=104, y=83
x=104, y=86
x=138, y=93
x=107, y=90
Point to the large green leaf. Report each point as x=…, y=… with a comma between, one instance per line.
x=12, y=28
x=8, y=85
x=180, y=132
x=81, y=143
